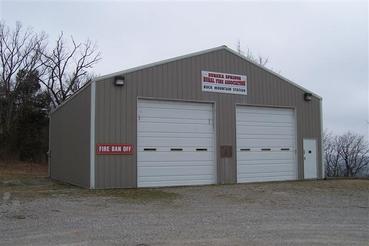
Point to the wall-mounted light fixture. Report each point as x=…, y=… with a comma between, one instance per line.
x=119, y=80
x=307, y=96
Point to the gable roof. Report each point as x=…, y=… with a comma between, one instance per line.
x=223, y=47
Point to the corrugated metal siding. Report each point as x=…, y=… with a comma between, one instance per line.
x=181, y=80
x=70, y=140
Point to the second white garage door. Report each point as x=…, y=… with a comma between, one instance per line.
x=266, y=144
x=175, y=144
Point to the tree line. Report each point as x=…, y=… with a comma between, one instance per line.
x=36, y=75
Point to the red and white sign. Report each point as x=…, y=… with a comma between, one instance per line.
x=114, y=149
x=224, y=82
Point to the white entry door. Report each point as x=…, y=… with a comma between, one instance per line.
x=266, y=144
x=310, y=171
x=175, y=143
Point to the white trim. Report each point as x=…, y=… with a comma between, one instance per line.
x=321, y=139
x=92, y=135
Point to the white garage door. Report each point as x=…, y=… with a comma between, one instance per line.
x=175, y=144
x=266, y=143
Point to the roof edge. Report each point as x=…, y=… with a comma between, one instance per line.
x=153, y=64
x=222, y=47
x=201, y=53
x=70, y=98
x=272, y=72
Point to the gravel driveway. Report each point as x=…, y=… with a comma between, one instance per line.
x=36, y=211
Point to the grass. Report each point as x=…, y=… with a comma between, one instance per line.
x=25, y=182
x=30, y=181
x=141, y=195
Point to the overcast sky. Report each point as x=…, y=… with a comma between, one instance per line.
x=322, y=46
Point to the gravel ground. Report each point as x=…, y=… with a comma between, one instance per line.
x=36, y=211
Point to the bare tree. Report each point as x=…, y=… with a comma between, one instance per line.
x=331, y=155
x=354, y=150
x=259, y=59
x=20, y=50
x=66, y=70
x=345, y=155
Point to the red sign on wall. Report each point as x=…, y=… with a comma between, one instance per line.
x=114, y=149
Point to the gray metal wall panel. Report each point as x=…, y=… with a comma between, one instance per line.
x=116, y=115
x=70, y=140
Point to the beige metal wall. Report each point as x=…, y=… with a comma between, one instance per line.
x=116, y=116
x=70, y=140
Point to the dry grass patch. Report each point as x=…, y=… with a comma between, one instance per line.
x=29, y=181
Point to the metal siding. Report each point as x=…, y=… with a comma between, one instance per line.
x=70, y=155
x=181, y=80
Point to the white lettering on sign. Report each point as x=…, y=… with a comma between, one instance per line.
x=223, y=83
x=114, y=149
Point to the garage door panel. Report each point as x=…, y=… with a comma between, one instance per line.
x=188, y=164
x=151, y=113
x=175, y=128
x=177, y=177
x=261, y=167
x=176, y=156
x=265, y=110
x=266, y=162
x=267, y=177
x=255, y=143
x=252, y=119
x=172, y=105
x=173, y=171
x=253, y=156
x=266, y=144
x=265, y=136
x=265, y=124
x=175, y=144
x=174, y=135
x=266, y=130
x=204, y=121
x=180, y=141
x=176, y=181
